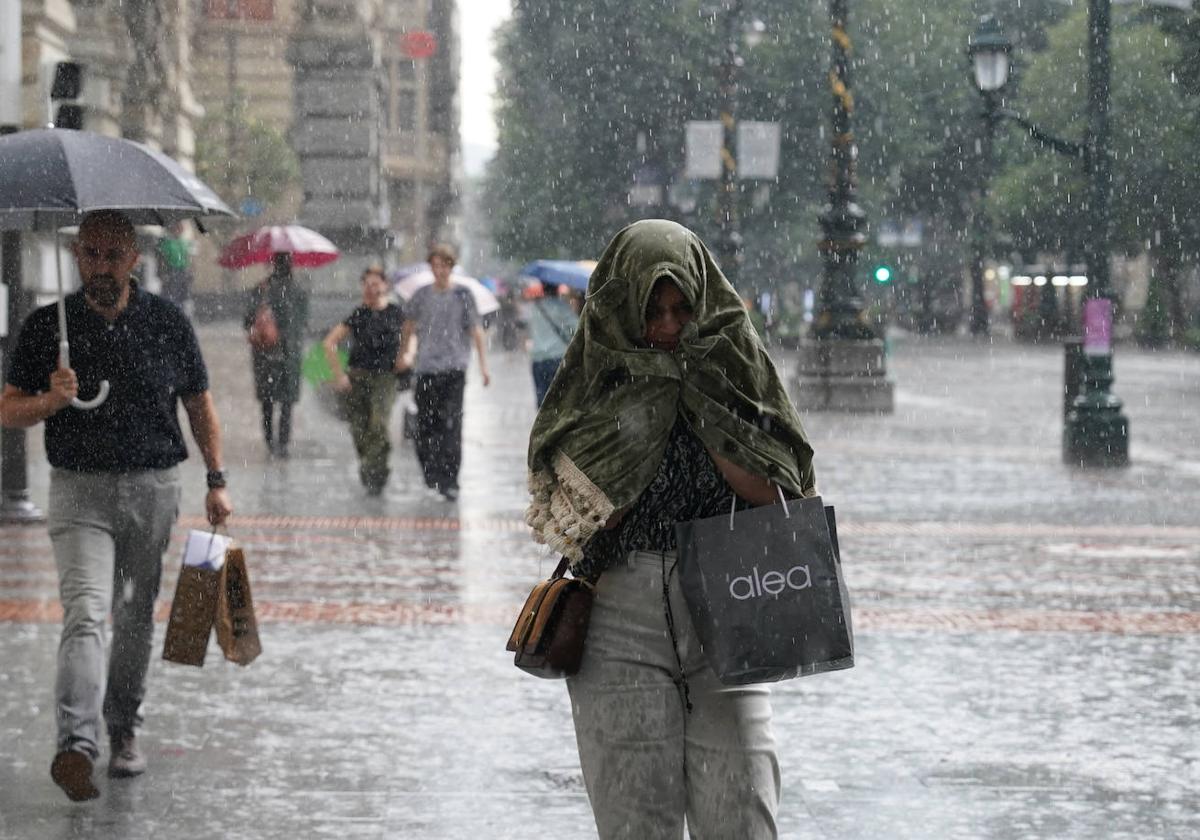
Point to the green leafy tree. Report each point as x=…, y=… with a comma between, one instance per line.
x=261, y=164
x=1156, y=172
x=581, y=80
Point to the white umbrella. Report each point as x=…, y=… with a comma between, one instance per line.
x=485, y=301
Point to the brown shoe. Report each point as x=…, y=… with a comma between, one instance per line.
x=72, y=771
x=126, y=759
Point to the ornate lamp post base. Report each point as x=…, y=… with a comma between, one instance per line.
x=843, y=374
x=1096, y=432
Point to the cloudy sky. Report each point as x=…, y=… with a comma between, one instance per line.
x=478, y=20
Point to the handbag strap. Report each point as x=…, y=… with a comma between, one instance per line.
x=563, y=565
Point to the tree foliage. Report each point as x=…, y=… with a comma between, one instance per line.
x=260, y=165
x=1040, y=198
x=583, y=79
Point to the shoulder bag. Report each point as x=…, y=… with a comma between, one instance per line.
x=548, y=638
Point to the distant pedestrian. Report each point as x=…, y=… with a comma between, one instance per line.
x=370, y=383
x=552, y=319
x=444, y=322
x=174, y=254
x=667, y=407
x=114, y=483
x=280, y=304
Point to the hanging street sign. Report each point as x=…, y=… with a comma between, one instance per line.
x=418, y=44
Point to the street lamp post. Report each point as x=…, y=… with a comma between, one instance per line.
x=842, y=365
x=989, y=51
x=1096, y=432
x=729, y=244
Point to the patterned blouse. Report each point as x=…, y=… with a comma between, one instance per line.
x=688, y=485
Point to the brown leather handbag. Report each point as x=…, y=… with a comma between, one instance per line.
x=548, y=638
x=264, y=329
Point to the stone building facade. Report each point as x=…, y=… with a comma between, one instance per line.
x=375, y=126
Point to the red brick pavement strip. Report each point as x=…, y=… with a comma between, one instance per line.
x=246, y=525
x=871, y=619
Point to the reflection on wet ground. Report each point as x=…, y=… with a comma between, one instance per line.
x=1028, y=634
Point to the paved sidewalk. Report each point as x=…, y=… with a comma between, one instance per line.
x=1028, y=634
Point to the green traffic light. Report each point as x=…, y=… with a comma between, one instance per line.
x=883, y=274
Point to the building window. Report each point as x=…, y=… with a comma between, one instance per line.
x=406, y=110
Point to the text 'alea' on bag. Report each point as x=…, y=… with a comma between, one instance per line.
x=548, y=638
x=766, y=593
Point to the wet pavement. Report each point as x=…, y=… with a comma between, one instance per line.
x=1028, y=633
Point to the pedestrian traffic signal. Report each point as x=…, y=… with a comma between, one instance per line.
x=67, y=85
x=883, y=274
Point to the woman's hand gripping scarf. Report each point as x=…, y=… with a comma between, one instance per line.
x=603, y=427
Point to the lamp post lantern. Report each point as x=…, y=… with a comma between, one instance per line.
x=989, y=51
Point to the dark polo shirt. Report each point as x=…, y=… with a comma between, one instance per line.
x=150, y=358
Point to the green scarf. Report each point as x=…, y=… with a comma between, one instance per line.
x=603, y=427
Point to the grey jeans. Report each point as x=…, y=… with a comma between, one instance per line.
x=109, y=532
x=647, y=761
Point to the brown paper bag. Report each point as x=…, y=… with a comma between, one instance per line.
x=237, y=628
x=192, y=612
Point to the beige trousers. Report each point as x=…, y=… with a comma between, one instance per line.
x=647, y=761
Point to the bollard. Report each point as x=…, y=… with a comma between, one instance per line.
x=1072, y=372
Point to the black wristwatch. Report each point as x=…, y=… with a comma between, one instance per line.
x=216, y=479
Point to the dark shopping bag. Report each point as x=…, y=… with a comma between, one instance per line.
x=765, y=591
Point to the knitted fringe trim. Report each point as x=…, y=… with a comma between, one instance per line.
x=567, y=509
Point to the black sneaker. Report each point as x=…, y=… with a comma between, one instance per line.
x=72, y=771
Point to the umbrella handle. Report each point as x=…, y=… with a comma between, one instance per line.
x=64, y=360
x=95, y=401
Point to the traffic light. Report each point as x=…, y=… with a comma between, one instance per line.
x=883, y=274
x=67, y=85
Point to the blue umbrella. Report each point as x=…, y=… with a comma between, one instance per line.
x=561, y=272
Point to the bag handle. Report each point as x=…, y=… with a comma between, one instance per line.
x=733, y=505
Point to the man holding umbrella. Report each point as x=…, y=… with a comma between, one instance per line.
x=114, y=485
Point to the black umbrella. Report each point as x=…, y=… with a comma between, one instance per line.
x=50, y=178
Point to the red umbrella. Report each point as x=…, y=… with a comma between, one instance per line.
x=308, y=248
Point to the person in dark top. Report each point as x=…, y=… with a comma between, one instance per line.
x=114, y=486
x=370, y=383
x=667, y=408
x=277, y=366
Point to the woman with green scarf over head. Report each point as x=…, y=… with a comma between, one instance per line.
x=665, y=407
